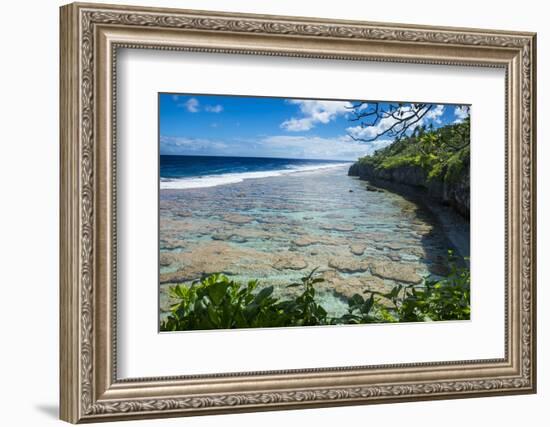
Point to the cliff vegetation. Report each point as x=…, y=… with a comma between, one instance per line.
x=434, y=160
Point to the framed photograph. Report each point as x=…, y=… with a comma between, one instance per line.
x=266, y=212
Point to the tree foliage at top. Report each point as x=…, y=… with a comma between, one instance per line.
x=442, y=153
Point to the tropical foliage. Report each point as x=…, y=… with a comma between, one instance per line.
x=442, y=153
x=217, y=302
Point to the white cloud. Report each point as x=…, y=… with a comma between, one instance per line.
x=436, y=113
x=337, y=148
x=369, y=132
x=183, y=145
x=314, y=112
x=214, y=108
x=287, y=146
x=192, y=105
x=297, y=125
x=461, y=112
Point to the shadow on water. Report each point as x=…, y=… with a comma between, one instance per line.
x=449, y=230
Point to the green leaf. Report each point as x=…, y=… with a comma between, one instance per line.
x=217, y=291
x=263, y=294
x=356, y=300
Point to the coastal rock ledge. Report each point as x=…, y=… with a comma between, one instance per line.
x=413, y=181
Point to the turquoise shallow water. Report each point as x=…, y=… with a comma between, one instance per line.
x=277, y=229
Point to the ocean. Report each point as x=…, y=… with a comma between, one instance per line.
x=183, y=172
x=278, y=219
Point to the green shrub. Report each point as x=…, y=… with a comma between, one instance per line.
x=218, y=302
x=441, y=153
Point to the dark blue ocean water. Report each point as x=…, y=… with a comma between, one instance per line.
x=193, y=166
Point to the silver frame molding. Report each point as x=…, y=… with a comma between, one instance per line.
x=90, y=37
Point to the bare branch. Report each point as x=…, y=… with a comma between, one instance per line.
x=405, y=119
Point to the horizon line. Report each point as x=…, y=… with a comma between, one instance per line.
x=259, y=157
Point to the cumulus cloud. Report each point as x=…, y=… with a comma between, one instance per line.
x=190, y=146
x=192, y=105
x=461, y=112
x=436, y=113
x=338, y=148
x=314, y=112
x=287, y=146
x=213, y=108
x=297, y=125
x=369, y=132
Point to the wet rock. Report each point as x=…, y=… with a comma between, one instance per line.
x=351, y=285
x=290, y=262
x=184, y=214
x=221, y=236
x=416, y=251
x=169, y=228
x=394, y=246
x=237, y=219
x=338, y=227
x=397, y=271
x=172, y=244
x=357, y=249
x=375, y=284
x=334, y=216
x=371, y=236
x=214, y=257
x=348, y=265
x=394, y=257
x=439, y=269
x=165, y=259
x=345, y=286
x=307, y=240
x=374, y=189
x=180, y=276
x=423, y=229
x=273, y=219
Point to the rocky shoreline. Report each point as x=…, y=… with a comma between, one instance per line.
x=449, y=203
x=413, y=181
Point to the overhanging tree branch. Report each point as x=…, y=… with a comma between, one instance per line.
x=394, y=120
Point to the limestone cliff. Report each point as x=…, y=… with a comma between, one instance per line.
x=414, y=180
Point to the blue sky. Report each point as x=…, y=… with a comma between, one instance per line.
x=218, y=125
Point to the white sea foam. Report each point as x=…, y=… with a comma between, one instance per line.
x=234, y=178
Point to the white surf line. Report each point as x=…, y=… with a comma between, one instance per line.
x=234, y=178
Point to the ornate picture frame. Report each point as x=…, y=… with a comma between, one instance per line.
x=90, y=37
